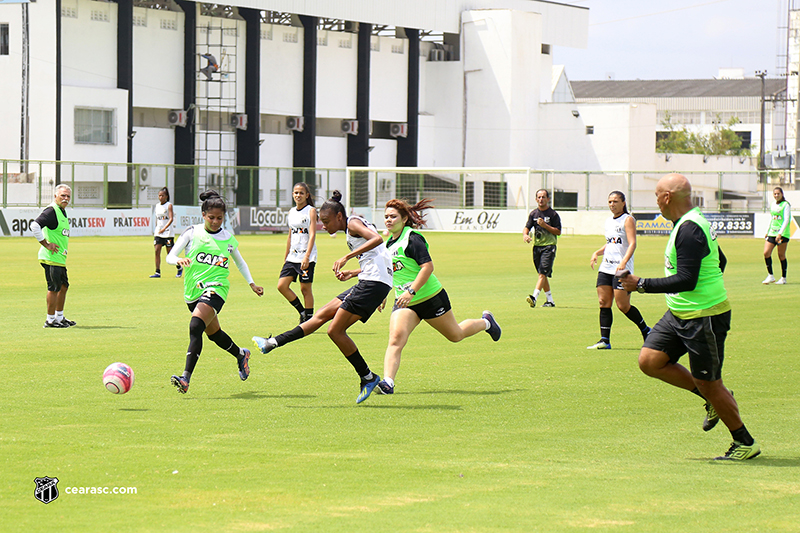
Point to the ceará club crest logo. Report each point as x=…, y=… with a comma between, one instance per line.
x=46, y=489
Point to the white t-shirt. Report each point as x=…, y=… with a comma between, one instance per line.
x=299, y=224
x=616, y=245
x=162, y=216
x=376, y=264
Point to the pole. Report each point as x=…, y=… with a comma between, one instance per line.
x=762, y=74
x=24, y=134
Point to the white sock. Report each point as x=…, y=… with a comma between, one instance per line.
x=536, y=293
x=51, y=318
x=389, y=381
x=488, y=324
x=59, y=316
x=549, y=296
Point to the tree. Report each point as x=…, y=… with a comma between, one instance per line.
x=722, y=141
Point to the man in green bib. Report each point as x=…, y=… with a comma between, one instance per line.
x=699, y=314
x=51, y=229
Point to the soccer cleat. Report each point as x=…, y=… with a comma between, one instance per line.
x=54, y=324
x=69, y=323
x=180, y=273
x=494, y=330
x=385, y=388
x=303, y=317
x=645, y=332
x=156, y=275
x=367, y=387
x=244, y=364
x=769, y=279
x=531, y=300
x=781, y=281
x=265, y=345
x=712, y=417
x=549, y=304
x=180, y=383
x=600, y=345
x=740, y=452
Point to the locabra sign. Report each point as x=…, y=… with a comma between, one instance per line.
x=477, y=220
x=259, y=219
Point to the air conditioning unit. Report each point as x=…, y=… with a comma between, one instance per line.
x=437, y=54
x=144, y=175
x=177, y=117
x=350, y=127
x=398, y=130
x=239, y=121
x=295, y=123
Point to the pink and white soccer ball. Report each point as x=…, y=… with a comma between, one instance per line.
x=118, y=378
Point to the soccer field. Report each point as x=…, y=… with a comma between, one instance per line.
x=533, y=433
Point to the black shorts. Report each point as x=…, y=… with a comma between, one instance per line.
x=169, y=242
x=543, y=257
x=363, y=298
x=609, y=280
x=773, y=239
x=209, y=298
x=703, y=338
x=292, y=270
x=56, y=277
x=434, y=307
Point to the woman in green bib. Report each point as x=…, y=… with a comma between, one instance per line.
x=778, y=235
x=208, y=250
x=418, y=294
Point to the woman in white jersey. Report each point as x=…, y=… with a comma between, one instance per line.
x=356, y=303
x=163, y=233
x=617, y=255
x=301, y=252
x=208, y=249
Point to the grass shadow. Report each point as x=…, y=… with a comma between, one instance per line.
x=466, y=392
x=132, y=409
x=762, y=461
x=373, y=406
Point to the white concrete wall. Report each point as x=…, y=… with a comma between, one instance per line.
x=337, y=67
x=388, y=94
x=89, y=47
x=281, y=70
x=563, y=143
x=153, y=145
x=158, y=76
x=441, y=114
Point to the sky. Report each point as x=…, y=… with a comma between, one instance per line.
x=676, y=39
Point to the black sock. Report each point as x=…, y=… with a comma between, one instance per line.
x=606, y=318
x=297, y=305
x=289, y=336
x=768, y=261
x=697, y=391
x=635, y=316
x=784, y=266
x=361, y=366
x=743, y=436
x=196, y=329
x=158, y=271
x=309, y=312
x=225, y=342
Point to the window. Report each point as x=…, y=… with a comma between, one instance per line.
x=95, y=126
x=589, y=130
x=3, y=39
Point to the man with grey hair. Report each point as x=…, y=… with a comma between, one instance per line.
x=698, y=316
x=51, y=229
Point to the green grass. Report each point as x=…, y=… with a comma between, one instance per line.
x=533, y=433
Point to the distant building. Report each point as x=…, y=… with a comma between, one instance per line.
x=702, y=105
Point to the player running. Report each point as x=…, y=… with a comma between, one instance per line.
x=617, y=255
x=301, y=252
x=208, y=250
x=356, y=303
x=163, y=236
x=418, y=294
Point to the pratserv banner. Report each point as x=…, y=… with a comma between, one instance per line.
x=721, y=223
x=86, y=221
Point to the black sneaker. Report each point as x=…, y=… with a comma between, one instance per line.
x=69, y=323
x=180, y=383
x=385, y=388
x=494, y=330
x=180, y=273
x=244, y=364
x=548, y=304
x=740, y=452
x=645, y=332
x=531, y=300
x=54, y=324
x=303, y=317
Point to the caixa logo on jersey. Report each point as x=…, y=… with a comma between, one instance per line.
x=46, y=489
x=212, y=260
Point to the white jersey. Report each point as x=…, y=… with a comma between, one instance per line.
x=162, y=216
x=376, y=264
x=616, y=245
x=299, y=223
